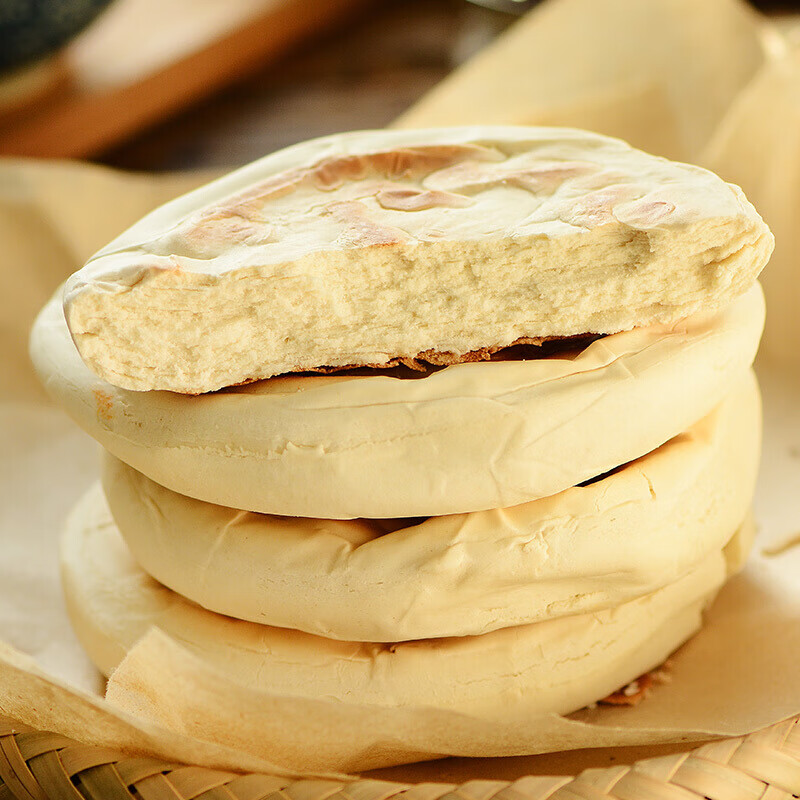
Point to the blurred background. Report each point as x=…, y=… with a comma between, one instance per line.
x=178, y=84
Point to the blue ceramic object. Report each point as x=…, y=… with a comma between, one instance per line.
x=30, y=29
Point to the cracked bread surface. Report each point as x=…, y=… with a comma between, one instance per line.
x=557, y=666
x=375, y=247
x=587, y=548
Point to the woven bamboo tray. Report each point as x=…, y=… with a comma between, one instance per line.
x=35, y=765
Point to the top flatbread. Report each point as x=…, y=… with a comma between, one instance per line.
x=369, y=247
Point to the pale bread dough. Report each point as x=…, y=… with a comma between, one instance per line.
x=362, y=247
x=554, y=666
x=470, y=437
x=585, y=549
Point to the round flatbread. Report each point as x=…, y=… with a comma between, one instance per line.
x=469, y=437
x=584, y=549
x=371, y=246
x=555, y=666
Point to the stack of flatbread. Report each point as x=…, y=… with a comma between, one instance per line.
x=459, y=418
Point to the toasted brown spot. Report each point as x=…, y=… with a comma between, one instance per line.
x=103, y=405
x=471, y=177
x=269, y=189
x=216, y=233
x=415, y=200
x=415, y=162
x=331, y=173
x=406, y=163
x=648, y=213
x=360, y=230
x=630, y=695
x=597, y=208
x=638, y=690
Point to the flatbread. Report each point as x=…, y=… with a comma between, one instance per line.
x=588, y=548
x=555, y=666
x=377, y=246
x=469, y=437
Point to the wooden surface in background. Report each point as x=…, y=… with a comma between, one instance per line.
x=361, y=76
x=144, y=60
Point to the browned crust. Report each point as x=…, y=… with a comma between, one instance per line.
x=241, y=217
x=428, y=360
x=525, y=348
x=640, y=689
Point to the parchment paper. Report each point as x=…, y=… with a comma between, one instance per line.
x=757, y=145
x=659, y=74
x=740, y=673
